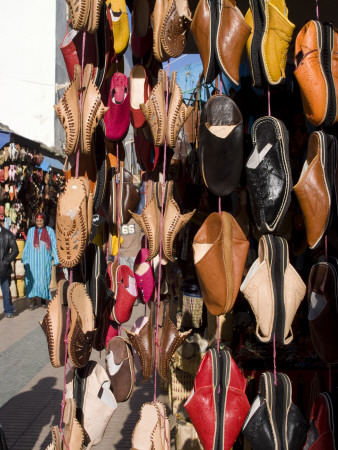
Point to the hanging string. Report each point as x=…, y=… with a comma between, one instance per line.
x=269, y=105
x=274, y=359
x=220, y=84
x=326, y=253
x=160, y=252
x=330, y=379
x=218, y=334
x=117, y=178
x=317, y=10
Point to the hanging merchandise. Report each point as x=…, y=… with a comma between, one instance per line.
x=221, y=145
x=317, y=72
x=268, y=174
x=274, y=290
x=141, y=40
x=117, y=118
x=139, y=93
x=85, y=15
x=119, y=25
x=269, y=41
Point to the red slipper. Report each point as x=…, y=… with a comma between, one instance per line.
x=125, y=295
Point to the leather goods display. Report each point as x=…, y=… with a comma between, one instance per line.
x=317, y=72
x=314, y=190
x=73, y=221
x=173, y=222
x=322, y=296
x=54, y=325
x=231, y=37
x=152, y=429
x=220, y=249
x=82, y=325
x=217, y=405
x=95, y=403
x=274, y=422
x=142, y=34
x=268, y=173
x=139, y=89
x=267, y=47
x=85, y=14
x=117, y=118
x=174, y=27
x=274, y=290
x=221, y=145
x=120, y=368
x=321, y=432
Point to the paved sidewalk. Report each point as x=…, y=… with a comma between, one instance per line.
x=31, y=389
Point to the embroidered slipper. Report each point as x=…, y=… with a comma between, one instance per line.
x=147, y=432
x=120, y=368
x=73, y=433
x=54, y=325
x=73, y=221
x=82, y=331
x=56, y=443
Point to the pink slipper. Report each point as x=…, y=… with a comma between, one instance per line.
x=144, y=275
x=117, y=118
x=125, y=295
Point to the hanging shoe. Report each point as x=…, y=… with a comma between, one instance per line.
x=56, y=443
x=94, y=15
x=143, y=343
x=119, y=25
x=274, y=422
x=92, y=110
x=178, y=112
x=154, y=110
x=79, y=13
x=82, y=326
x=125, y=295
x=170, y=339
x=157, y=18
x=54, y=324
x=117, y=118
x=144, y=276
x=129, y=197
x=321, y=433
x=73, y=433
x=120, y=368
x=142, y=33
x=175, y=26
x=147, y=432
x=274, y=290
x=139, y=93
x=149, y=220
x=68, y=112
x=173, y=222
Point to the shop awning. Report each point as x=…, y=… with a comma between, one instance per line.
x=49, y=163
x=5, y=137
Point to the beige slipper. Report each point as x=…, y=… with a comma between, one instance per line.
x=73, y=433
x=73, y=221
x=147, y=432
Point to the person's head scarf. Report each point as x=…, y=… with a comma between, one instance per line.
x=44, y=233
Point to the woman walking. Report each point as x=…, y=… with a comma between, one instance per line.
x=38, y=256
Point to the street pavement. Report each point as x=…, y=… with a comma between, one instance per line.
x=31, y=389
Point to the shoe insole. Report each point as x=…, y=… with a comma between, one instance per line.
x=137, y=88
x=221, y=131
x=106, y=395
x=317, y=304
x=141, y=269
x=257, y=157
x=256, y=404
x=142, y=439
x=200, y=250
x=132, y=286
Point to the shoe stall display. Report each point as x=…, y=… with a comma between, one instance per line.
x=215, y=216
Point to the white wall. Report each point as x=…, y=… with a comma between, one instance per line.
x=27, y=68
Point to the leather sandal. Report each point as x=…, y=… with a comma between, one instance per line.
x=56, y=443
x=154, y=109
x=73, y=221
x=175, y=27
x=68, y=112
x=79, y=12
x=73, y=433
x=173, y=222
x=149, y=221
x=54, y=324
x=82, y=331
x=92, y=109
x=147, y=432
